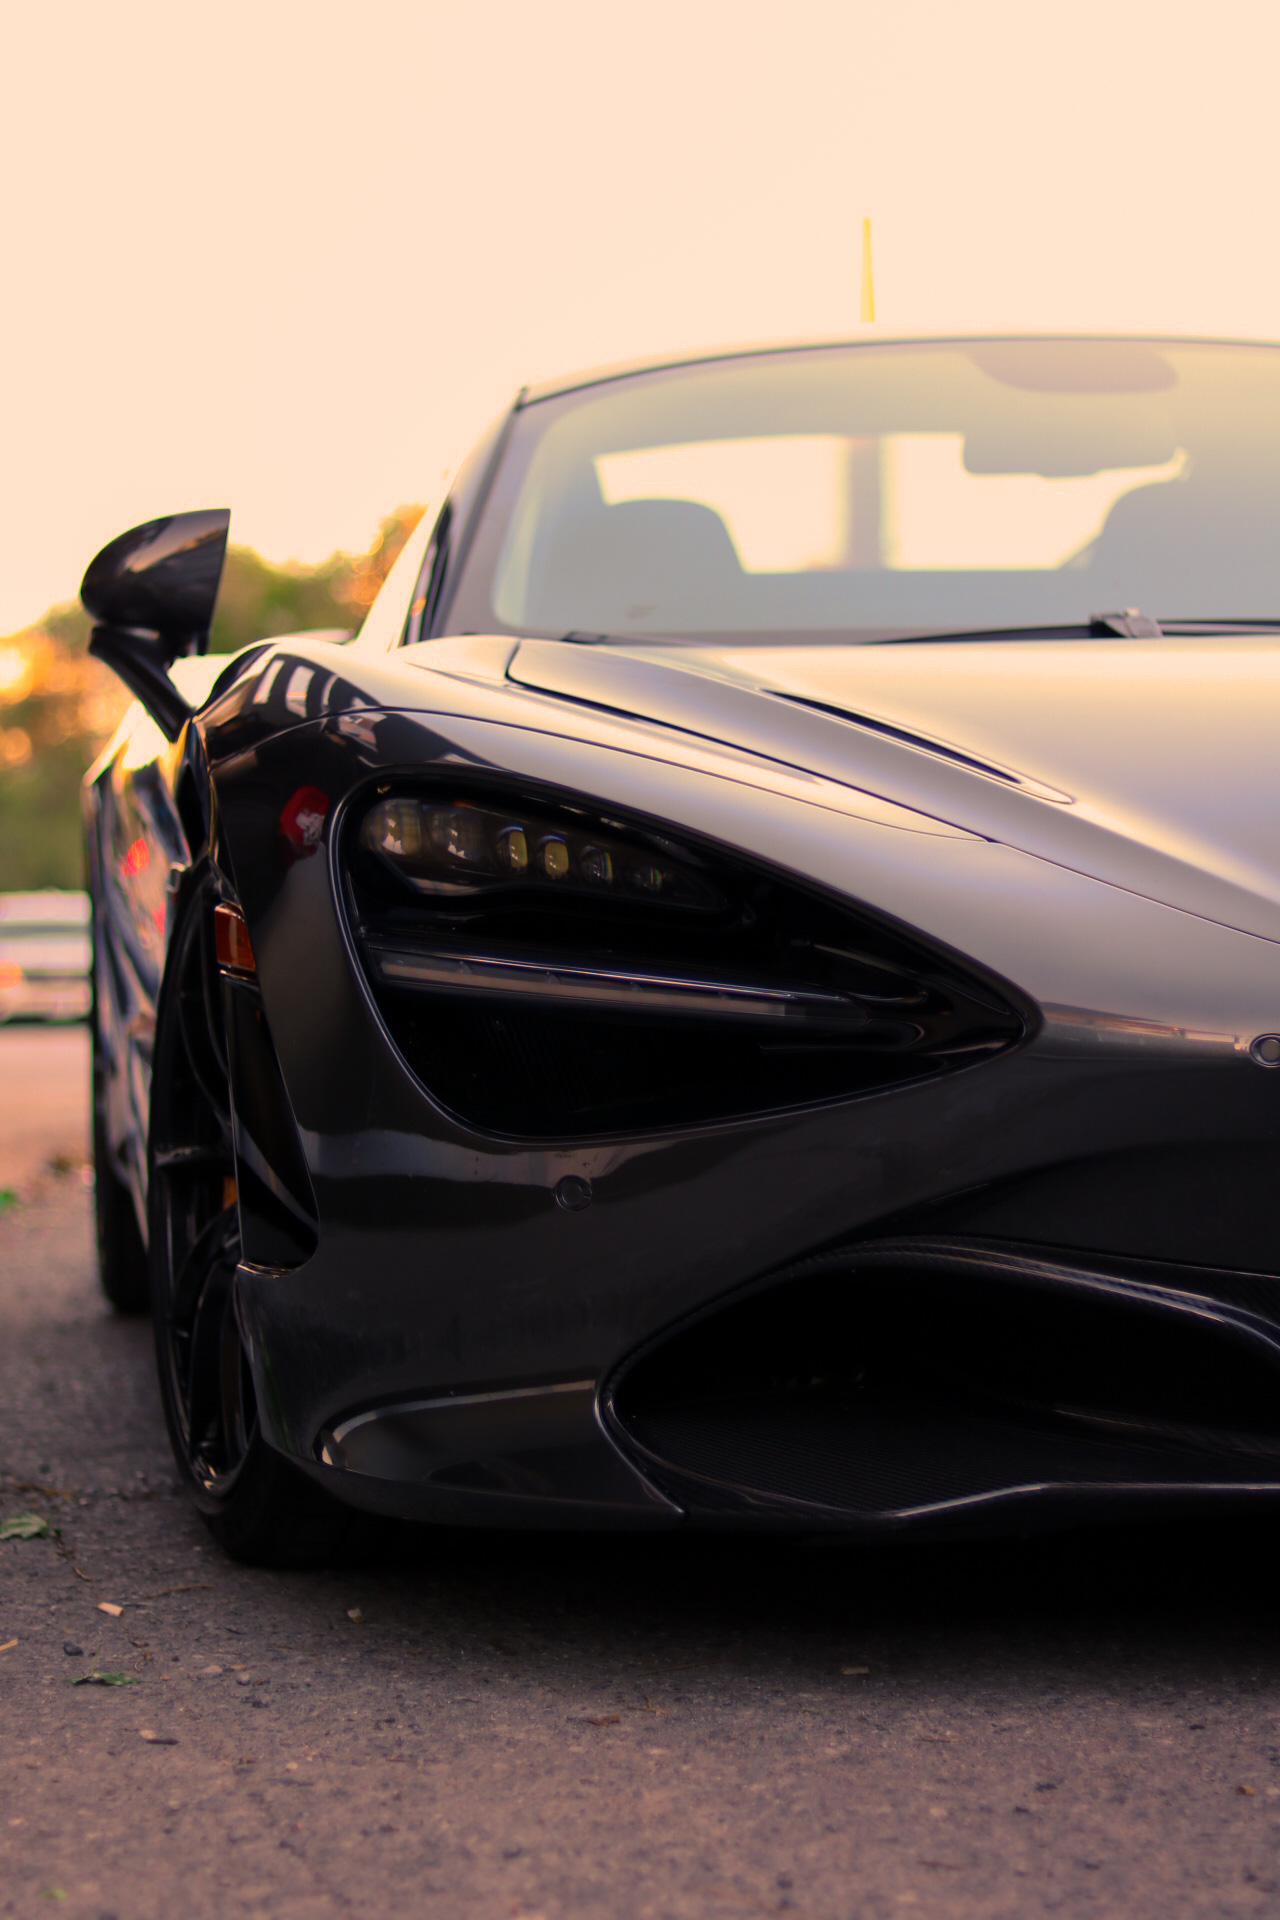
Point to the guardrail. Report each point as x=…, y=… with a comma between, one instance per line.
x=45, y=956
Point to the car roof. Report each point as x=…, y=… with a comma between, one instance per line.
x=669, y=363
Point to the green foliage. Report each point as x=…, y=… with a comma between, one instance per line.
x=24, y=1526
x=41, y=841
x=256, y=601
x=60, y=708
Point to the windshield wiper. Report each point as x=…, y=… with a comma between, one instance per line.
x=1129, y=624
x=1224, y=625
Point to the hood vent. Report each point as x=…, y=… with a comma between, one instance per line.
x=940, y=750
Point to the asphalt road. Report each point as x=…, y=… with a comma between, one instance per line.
x=44, y=1100
x=524, y=1726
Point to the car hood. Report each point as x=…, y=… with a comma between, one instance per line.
x=1149, y=764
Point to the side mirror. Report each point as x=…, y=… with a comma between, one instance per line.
x=151, y=594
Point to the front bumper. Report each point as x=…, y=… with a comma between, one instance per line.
x=448, y=1350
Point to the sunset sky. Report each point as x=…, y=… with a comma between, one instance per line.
x=291, y=257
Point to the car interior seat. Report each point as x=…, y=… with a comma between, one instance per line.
x=657, y=565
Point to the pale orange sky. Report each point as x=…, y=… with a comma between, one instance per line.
x=291, y=257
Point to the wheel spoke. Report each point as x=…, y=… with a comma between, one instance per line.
x=204, y=1385
x=191, y=1158
x=214, y=1246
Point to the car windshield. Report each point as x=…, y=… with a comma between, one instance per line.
x=883, y=489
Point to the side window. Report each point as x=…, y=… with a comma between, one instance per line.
x=386, y=619
x=430, y=581
x=451, y=534
x=406, y=608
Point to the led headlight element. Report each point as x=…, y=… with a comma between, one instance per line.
x=555, y=857
x=448, y=847
x=512, y=850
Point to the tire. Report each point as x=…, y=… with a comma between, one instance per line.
x=259, y=1507
x=123, y=1270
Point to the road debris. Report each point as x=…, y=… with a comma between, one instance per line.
x=100, y=1679
x=73, y=1648
x=109, y=1606
x=664, y=1713
x=154, y=1739
x=855, y=1671
x=5, y=1646
x=24, y=1526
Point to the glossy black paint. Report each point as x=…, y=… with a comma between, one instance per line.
x=151, y=593
x=161, y=577
x=277, y=1207
x=141, y=663
x=446, y=1270
x=459, y=1323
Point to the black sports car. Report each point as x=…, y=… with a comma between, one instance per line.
x=749, y=992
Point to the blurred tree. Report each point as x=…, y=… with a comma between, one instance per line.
x=258, y=600
x=58, y=707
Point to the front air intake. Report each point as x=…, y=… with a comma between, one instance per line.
x=548, y=970
x=902, y=1379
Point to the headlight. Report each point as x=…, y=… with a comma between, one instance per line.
x=548, y=970
x=458, y=847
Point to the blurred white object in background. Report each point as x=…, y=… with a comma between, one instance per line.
x=45, y=956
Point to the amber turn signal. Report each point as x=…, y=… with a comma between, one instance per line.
x=231, y=936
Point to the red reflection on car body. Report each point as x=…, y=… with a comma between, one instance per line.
x=302, y=821
x=135, y=860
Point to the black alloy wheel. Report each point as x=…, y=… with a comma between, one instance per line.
x=259, y=1507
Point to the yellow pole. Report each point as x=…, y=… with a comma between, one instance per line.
x=867, y=310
